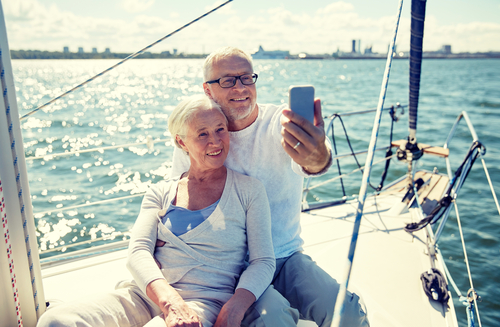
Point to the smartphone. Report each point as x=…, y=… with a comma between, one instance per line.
x=301, y=101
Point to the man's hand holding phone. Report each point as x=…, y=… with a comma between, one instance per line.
x=303, y=130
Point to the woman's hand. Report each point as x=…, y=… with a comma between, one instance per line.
x=233, y=311
x=175, y=310
x=181, y=315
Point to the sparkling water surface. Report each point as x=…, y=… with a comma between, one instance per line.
x=131, y=104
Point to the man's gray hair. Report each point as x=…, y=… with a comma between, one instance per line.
x=220, y=54
x=183, y=114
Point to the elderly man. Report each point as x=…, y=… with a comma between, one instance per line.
x=279, y=148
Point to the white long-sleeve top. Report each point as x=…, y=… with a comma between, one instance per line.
x=207, y=262
x=257, y=151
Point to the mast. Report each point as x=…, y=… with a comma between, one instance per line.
x=21, y=292
x=411, y=151
x=417, y=36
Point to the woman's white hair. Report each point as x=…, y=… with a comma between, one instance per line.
x=220, y=54
x=184, y=112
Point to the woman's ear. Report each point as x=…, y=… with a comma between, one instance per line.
x=181, y=143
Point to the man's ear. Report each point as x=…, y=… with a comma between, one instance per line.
x=207, y=90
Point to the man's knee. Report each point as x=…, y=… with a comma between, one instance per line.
x=271, y=309
x=314, y=292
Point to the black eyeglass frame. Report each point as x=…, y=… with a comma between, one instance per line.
x=254, y=80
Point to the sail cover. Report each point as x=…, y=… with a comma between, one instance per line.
x=417, y=35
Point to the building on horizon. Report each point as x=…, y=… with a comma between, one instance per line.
x=94, y=50
x=66, y=50
x=446, y=49
x=107, y=50
x=80, y=50
x=353, y=46
x=275, y=54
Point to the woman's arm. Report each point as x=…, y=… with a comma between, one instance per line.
x=142, y=265
x=140, y=261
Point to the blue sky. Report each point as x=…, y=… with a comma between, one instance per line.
x=315, y=26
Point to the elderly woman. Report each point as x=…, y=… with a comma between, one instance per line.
x=209, y=217
x=208, y=220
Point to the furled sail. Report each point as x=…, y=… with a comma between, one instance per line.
x=417, y=35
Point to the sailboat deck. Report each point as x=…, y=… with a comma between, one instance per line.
x=387, y=264
x=386, y=269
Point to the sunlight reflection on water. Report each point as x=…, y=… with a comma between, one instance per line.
x=133, y=102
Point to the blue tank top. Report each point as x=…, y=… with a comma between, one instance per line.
x=180, y=220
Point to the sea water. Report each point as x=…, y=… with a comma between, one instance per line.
x=131, y=104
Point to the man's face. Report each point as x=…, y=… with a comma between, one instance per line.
x=238, y=102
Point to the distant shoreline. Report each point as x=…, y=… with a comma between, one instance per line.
x=38, y=54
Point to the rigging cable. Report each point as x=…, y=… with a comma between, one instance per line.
x=474, y=296
x=475, y=150
x=388, y=153
x=339, y=304
x=133, y=55
x=491, y=184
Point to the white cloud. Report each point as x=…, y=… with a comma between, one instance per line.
x=475, y=36
x=22, y=10
x=336, y=7
x=136, y=6
x=31, y=25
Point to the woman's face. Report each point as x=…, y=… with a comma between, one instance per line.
x=207, y=140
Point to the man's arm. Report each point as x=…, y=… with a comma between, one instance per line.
x=305, y=142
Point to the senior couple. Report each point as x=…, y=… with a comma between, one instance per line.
x=218, y=244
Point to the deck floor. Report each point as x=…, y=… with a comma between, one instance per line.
x=387, y=264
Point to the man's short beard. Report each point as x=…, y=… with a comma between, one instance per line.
x=233, y=116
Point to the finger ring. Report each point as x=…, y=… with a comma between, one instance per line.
x=296, y=145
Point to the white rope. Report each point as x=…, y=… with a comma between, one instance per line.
x=339, y=304
x=102, y=238
x=467, y=261
x=10, y=257
x=150, y=143
x=348, y=174
x=89, y=204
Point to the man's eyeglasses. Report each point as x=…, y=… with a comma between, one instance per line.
x=230, y=81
